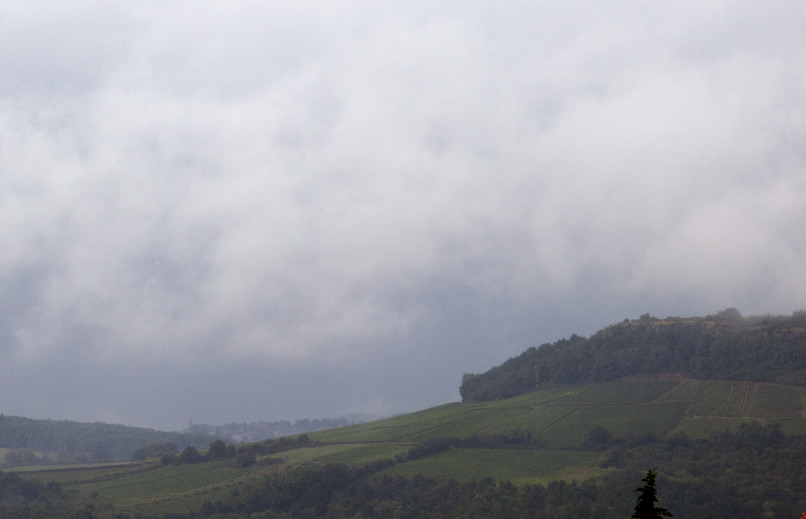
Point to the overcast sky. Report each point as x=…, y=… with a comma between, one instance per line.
x=252, y=210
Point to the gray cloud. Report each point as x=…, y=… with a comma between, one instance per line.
x=266, y=211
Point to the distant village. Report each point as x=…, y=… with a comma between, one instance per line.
x=258, y=431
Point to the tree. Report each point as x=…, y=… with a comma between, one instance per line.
x=218, y=450
x=645, y=506
x=190, y=455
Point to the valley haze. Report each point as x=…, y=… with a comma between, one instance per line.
x=267, y=211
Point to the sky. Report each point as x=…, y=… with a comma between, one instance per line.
x=249, y=210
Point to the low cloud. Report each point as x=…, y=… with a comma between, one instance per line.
x=360, y=192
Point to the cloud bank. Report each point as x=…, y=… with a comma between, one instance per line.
x=264, y=211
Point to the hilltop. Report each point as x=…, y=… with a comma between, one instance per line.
x=724, y=346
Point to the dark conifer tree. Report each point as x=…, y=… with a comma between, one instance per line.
x=645, y=506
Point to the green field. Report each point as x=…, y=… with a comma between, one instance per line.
x=558, y=421
x=563, y=416
x=153, y=488
x=517, y=466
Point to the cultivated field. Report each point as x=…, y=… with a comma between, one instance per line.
x=557, y=421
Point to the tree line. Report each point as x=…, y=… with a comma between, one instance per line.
x=724, y=346
x=244, y=455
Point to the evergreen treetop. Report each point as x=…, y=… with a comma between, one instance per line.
x=645, y=505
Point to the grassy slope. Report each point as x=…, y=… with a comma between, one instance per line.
x=560, y=418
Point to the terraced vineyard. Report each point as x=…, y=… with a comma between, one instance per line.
x=562, y=416
x=550, y=429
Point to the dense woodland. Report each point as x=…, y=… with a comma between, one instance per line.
x=725, y=346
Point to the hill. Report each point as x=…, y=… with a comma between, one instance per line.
x=563, y=449
x=70, y=440
x=563, y=417
x=571, y=444
x=725, y=346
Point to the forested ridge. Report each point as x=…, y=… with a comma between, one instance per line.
x=725, y=346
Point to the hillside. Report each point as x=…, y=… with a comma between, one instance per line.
x=580, y=417
x=575, y=444
x=725, y=346
x=596, y=436
x=71, y=440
